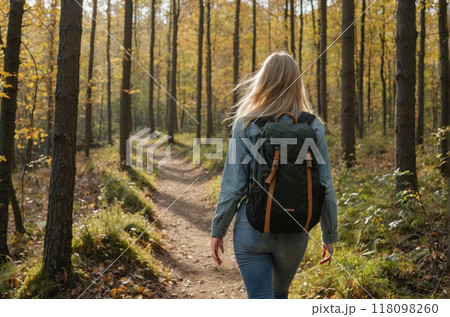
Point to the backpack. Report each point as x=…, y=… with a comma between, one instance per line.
x=285, y=197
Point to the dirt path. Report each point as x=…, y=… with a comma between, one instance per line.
x=185, y=228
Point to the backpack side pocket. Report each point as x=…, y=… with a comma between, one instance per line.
x=255, y=208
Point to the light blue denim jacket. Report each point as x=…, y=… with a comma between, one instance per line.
x=235, y=180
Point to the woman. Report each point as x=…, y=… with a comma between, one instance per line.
x=267, y=261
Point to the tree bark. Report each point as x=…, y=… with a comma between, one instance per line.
x=173, y=79
x=108, y=62
x=58, y=229
x=444, y=83
x=8, y=115
x=317, y=45
x=254, y=37
x=151, y=111
x=323, y=59
x=88, y=121
x=361, y=75
x=236, y=51
x=300, y=40
x=125, y=97
x=209, y=116
x=405, y=40
x=292, y=19
x=383, y=79
x=50, y=80
x=421, y=79
x=348, y=84
x=200, y=68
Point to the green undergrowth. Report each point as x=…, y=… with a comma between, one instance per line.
x=119, y=227
x=111, y=232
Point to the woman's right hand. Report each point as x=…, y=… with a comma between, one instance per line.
x=327, y=248
x=216, y=243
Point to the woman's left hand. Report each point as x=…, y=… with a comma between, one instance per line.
x=216, y=243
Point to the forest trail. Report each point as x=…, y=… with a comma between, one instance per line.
x=185, y=228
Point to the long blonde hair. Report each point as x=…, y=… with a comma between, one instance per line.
x=274, y=88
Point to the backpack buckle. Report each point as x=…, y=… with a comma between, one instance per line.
x=308, y=160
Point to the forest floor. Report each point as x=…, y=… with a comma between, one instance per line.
x=186, y=238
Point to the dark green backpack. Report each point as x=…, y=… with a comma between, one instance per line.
x=285, y=197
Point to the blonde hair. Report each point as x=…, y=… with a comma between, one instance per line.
x=274, y=88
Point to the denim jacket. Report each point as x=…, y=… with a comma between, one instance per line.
x=236, y=175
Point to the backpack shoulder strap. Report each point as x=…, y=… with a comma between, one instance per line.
x=260, y=122
x=306, y=117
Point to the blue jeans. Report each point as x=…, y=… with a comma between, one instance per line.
x=267, y=261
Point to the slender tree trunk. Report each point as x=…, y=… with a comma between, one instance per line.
x=369, y=86
x=8, y=115
x=108, y=62
x=209, y=116
x=236, y=50
x=444, y=83
x=50, y=79
x=292, y=19
x=317, y=45
x=254, y=37
x=383, y=80
x=169, y=65
x=125, y=97
x=323, y=59
x=421, y=79
x=348, y=84
x=90, y=83
x=405, y=40
x=286, y=32
x=300, y=41
x=158, y=92
x=390, y=99
x=200, y=68
x=151, y=111
x=58, y=229
x=270, y=26
x=173, y=80
x=361, y=75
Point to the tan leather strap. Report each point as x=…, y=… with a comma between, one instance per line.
x=269, y=204
x=310, y=198
x=276, y=159
x=271, y=179
x=294, y=119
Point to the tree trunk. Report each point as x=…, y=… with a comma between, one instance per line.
x=286, y=25
x=323, y=59
x=88, y=121
x=383, y=80
x=348, y=84
x=173, y=79
x=236, y=51
x=125, y=97
x=50, y=80
x=421, y=79
x=108, y=62
x=151, y=111
x=58, y=229
x=209, y=117
x=300, y=41
x=254, y=38
x=169, y=67
x=8, y=115
x=200, y=68
x=405, y=40
x=317, y=45
x=444, y=83
x=361, y=75
x=292, y=19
